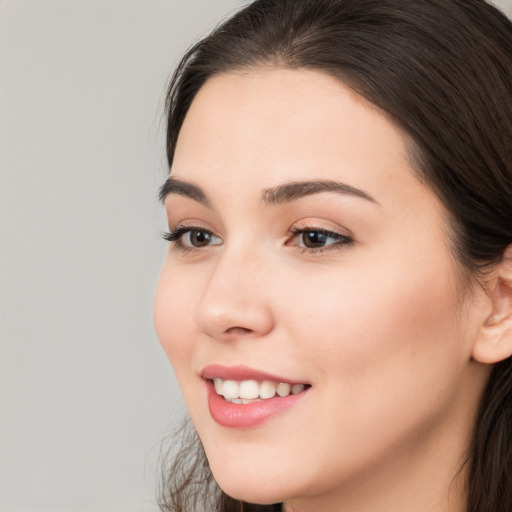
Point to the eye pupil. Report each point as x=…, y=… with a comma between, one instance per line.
x=199, y=238
x=312, y=239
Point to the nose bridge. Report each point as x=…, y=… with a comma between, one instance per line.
x=235, y=299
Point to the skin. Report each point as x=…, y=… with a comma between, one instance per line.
x=381, y=327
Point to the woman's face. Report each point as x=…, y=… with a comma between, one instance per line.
x=306, y=251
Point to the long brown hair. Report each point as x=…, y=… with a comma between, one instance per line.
x=442, y=70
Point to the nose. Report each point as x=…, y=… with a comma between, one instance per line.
x=235, y=302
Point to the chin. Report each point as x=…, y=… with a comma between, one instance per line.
x=259, y=494
x=256, y=485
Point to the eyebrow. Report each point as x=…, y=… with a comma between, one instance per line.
x=183, y=188
x=295, y=190
x=272, y=196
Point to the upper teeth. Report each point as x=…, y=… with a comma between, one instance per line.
x=247, y=391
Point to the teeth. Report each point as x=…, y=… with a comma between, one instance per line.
x=230, y=389
x=218, y=385
x=283, y=389
x=297, y=388
x=250, y=391
x=267, y=389
x=244, y=401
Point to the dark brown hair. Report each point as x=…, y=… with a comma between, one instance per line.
x=442, y=70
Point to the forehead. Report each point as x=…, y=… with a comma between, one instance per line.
x=268, y=126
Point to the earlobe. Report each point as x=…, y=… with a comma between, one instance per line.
x=494, y=342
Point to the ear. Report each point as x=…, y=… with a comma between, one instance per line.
x=494, y=342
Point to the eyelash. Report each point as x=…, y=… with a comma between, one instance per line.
x=341, y=241
x=175, y=236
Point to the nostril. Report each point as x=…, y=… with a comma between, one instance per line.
x=238, y=330
x=222, y=313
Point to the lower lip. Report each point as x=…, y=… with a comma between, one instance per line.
x=232, y=415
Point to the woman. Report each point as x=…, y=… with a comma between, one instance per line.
x=337, y=296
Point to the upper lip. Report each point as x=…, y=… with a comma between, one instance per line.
x=240, y=373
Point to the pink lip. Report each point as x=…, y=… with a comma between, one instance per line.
x=242, y=373
x=232, y=415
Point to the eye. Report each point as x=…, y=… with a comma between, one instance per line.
x=192, y=237
x=318, y=239
x=198, y=238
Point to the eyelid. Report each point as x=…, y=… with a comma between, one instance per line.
x=175, y=237
x=341, y=240
x=337, y=239
x=322, y=225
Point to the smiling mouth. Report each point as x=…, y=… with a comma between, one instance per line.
x=243, y=397
x=251, y=391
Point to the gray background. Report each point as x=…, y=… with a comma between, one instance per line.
x=86, y=393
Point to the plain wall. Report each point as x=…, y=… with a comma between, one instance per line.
x=86, y=393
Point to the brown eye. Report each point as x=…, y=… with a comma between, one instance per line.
x=198, y=238
x=314, y=239
x=318, y=240
x=192, y=238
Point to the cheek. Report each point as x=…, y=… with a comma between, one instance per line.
x=393, y=325
x=385, y=349
x=173, y=317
